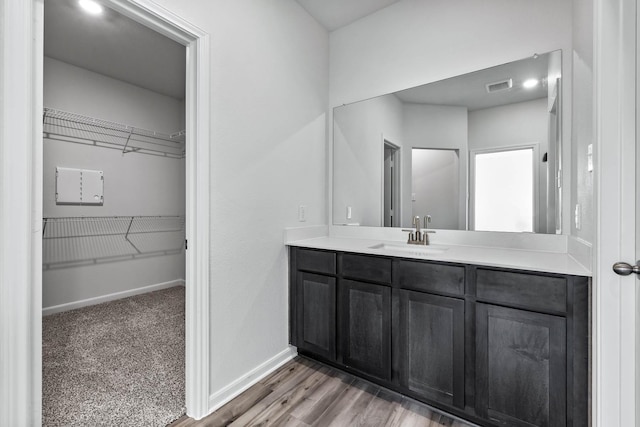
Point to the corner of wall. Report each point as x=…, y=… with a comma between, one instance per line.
x=581, y=251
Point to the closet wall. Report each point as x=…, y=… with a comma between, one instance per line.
x=134, y=184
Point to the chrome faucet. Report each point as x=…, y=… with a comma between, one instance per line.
x=417, y=236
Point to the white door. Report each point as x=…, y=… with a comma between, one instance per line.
x=616, y=324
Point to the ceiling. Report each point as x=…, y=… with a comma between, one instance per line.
x=118, y=47
x=114, y=45
x=334, y=14
x=469, y=90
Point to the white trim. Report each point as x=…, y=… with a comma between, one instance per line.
x=198, y=229
x=21, y=57
x=198, y=166
x=110, y=297
x=614, y=372
x=20, y=188
x=36, y=209
x=235, y=388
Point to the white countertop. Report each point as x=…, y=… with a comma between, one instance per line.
x=550, y=262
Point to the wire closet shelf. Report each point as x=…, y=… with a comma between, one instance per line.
x=76, y=128
x=72, y=241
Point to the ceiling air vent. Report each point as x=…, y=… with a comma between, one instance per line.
x=498, y=86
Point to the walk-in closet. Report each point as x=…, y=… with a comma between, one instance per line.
x=113, y=278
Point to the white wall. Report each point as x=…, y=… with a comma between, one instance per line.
x=582, y=121
x=511, y=125
x=135, y=184
x=269, y=102
x=508, y=125
x=358, y=133
x=73, y=89
x=414, y=42
x=435, y=126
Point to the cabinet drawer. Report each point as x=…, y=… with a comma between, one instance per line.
x=542, y=293
x=366, y=268
x=431, y=277
x=316, y=261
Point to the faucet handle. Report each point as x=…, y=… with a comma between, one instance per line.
x=413, y=235
x=427, y=220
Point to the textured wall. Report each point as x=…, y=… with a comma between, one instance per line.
x=358, y=134
x=269, y=85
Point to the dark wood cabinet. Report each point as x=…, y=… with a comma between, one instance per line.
x=437, y=278
x=430, y=349
x=367, y=268
x=499, y=347
x=366, y=327
x=316, y=311
x=521, y=373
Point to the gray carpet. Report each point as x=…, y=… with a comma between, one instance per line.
x=119, y=363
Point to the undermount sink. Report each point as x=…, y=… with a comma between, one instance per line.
x=413, y=249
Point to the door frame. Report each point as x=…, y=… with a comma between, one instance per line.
x=21, y=104
x=614, y=307
x=396, y=187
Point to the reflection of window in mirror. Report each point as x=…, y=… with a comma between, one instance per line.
x=435, y=188
x=503, y=190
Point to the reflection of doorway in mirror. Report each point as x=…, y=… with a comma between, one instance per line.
x=391, y=185
x=504, y=190
x=435, y=186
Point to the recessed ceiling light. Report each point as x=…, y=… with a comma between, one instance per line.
x=90, y=7
x=530, y=84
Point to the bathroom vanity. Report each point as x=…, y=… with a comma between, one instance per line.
x=497, y=345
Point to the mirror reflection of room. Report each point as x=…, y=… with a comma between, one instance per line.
x=421, y=151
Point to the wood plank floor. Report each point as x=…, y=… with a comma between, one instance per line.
x=303, y=393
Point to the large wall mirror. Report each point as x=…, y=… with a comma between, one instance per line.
x=481, y=151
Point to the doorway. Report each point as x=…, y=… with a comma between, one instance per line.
x=113, y=279
x=391, y=185
x=435, y=187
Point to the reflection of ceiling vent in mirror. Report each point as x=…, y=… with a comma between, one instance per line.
x=498, y=86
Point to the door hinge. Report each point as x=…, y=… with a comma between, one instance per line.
x=186, y=245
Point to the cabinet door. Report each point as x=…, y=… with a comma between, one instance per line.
x=316, y=314
x=520, y=367
x=366, y=327
x=431, y=346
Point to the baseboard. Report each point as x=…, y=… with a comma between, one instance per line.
x=110, y=297
x=234, y=389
